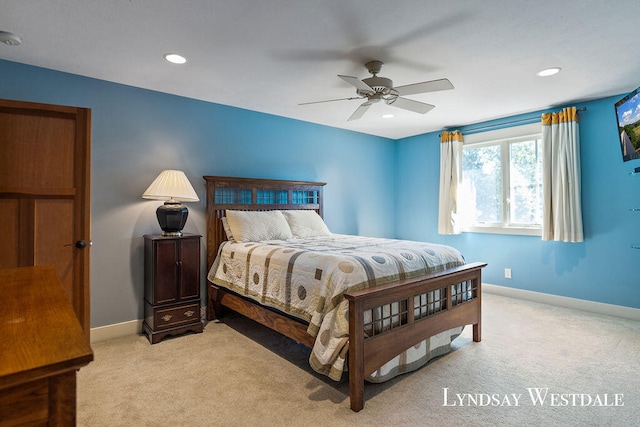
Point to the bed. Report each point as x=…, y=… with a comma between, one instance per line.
x=383, y=315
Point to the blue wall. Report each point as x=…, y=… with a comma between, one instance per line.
x=603, y=268
x=137, y=133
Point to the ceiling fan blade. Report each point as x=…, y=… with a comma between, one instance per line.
x=411, y=105
x=357, y=83
x=430, y=86
x=360, y=111
x=332, y=100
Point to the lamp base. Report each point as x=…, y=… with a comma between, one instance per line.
x=172, y=233
x=172, y=216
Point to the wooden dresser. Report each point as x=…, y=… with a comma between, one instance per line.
x=42, y=347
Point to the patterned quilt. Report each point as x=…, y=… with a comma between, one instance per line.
x=307, y=278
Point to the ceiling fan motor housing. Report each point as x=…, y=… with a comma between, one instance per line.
x=380, y=85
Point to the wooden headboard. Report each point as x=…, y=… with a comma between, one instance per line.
x=253, y=194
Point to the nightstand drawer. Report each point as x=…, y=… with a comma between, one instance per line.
x=174, y=316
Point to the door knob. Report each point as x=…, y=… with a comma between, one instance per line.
x=81, y=244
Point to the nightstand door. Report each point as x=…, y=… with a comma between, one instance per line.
x=189, y=268
x=166, y=272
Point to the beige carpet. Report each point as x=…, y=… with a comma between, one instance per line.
x=239, y=373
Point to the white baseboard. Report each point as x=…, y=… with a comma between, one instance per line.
x=566, y=302
x=117, y=330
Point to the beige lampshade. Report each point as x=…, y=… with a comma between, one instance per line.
x=171, y=185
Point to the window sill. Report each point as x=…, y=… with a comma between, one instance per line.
x=517, y=231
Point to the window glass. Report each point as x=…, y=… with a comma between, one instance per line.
x=482, y=179
x=501, y=189
x=525, y=179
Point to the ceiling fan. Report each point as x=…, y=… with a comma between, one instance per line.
x=376, y=89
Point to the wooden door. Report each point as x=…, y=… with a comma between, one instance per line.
x=45, y=194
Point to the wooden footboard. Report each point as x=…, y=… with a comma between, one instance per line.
x=458, y=303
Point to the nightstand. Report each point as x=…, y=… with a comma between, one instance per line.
x=171, y=285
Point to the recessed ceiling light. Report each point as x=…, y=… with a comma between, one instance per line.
x=387, y=116
x=549, y=72
x=10, y=39
x=175, y=58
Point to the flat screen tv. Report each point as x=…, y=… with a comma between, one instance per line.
x=628, y=113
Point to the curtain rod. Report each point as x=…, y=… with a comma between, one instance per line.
x=518, y=121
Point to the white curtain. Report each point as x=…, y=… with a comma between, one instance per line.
x=562, y=219
x=450, y=175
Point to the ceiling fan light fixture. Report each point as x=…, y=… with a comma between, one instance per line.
x=549, y=72
x=174, y=58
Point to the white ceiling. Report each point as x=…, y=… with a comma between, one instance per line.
x=271, y=55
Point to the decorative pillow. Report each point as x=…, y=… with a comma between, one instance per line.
x=227, y=229
x=306, y=223
x=255, y=226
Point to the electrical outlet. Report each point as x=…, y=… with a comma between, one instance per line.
x=507, y=273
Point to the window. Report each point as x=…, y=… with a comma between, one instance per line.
x=501, y=189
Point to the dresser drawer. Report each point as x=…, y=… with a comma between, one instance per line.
x=175, y=316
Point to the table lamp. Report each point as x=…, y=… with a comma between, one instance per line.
x=173, y=187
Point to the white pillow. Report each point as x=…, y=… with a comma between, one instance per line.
x=227, y=230
x=306, y=223
x=255, y=226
